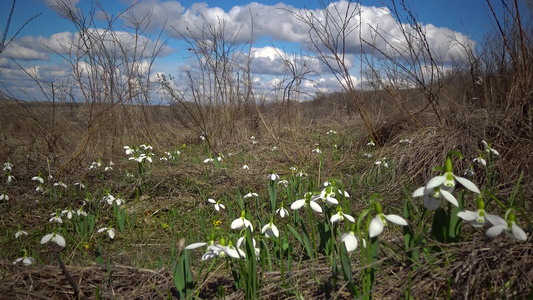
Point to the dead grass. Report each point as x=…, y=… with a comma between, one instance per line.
x=479, y=269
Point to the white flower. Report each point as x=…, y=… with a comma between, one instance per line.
x=8, y=166
x=250, y=194
x=331, y=131
x=274, y=148
x=208, y=160
x=367, y=155
x=109, y=199
x=26, y=260
x=109, y=230
x=241, y=223
x=68, y=212
x=432, y=197
x=213, y=250
x=477, y=218
x=61, y=184
x=55, y=238
x=448, y=182
x=245, y=167
x=307, y=201
x=39, y=189
x=480, y=160
x=406, y=141
x=349, y=240
x=301, y=174
x=273, y=177
x=270, y=230
x=317, y=150
x=20, y=233
x=4, y=197
x=10, y=178
x=38, y=178
x=339, y=216
x=282, y=212
x=56, y=217
x=128, y=150
x=80, y=185
x=328, y=195
x=283, y=182
x=217, y=205
x=233, y=252
x=513, y=231
x=379, y=221
x=371, y=143
x=488, y=148
x=81, y=213
x=256, y=249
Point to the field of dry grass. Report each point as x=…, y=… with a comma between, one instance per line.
x=166, y=206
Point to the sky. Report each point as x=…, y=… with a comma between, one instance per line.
x=41, y=47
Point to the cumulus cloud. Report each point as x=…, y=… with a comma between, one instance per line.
x=370, y=24
x=117, y=43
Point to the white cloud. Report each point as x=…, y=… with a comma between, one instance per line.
x=377, y=25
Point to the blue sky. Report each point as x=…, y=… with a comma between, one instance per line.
x=275, y=31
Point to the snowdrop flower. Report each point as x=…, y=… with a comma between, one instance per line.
x=367, y=155
x=80, y=212
x=317, y=150
x=69, y=212
x=250, y=194
x=8, y=167
x=480, y=160
x=509, y=225
x=283, y=182
x=109, y=199
x=107, y=169
x=233, y=252
x=38, y=178
x=477, y=218
x=382, y=161
x=270, y=230
x=245, y=167
x=331, y=131
x=208, y=160
x=218, y=206
x=274, y=148
x=339, y=216
x=371, y=143
x=54, y=238
x=328, y=194
x=293, y=169
x=432, y=197
x=10, y=178
x=379, y=221
x=128, y=150
x=241, y=223
x=273, y=177
x=349, y=239
x=39, y=189
x=447, y=180
x=212, y=250
x=282, y=211
x=309, y=200
x=109, y=230
x=4, y=197
x=25, y=259
x=256, y=249
x=61, y=184
x=488, y=148
x=301, y=174
x=56, y=217
x=469, y=172
x=20, y=233
x=80, y=185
